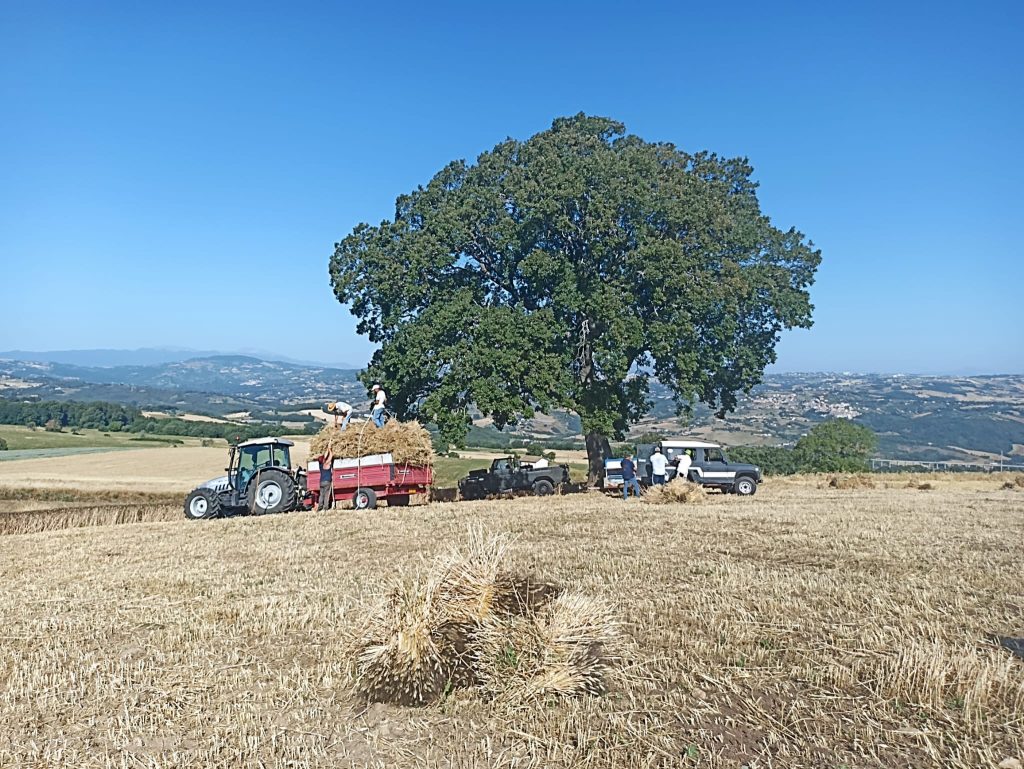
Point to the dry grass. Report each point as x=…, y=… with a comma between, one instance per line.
x=53, y=519
x=676, y=492
x=802, y=627
x=407, y=442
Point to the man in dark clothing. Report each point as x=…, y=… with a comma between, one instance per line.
x=326, y=501
x=629, y=477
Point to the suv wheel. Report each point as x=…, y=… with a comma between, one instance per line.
x=745, y=487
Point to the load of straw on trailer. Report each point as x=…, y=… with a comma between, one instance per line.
x=407, y=442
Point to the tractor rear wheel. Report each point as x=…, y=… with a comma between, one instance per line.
x=364, y=499
x=270, y=491
x=202, y=504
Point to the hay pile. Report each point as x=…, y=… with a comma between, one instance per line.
x=1015, y=485
x=408, y=442
x=677, y=491
x=475, y=623
x=855, y=481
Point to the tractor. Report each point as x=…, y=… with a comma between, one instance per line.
x=260, y=480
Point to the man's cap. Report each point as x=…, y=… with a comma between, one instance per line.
x=657, y=449
x=375, y=387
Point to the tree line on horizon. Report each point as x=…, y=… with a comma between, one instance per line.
x=115, y=417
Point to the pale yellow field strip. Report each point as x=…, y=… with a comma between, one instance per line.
x=180, y=468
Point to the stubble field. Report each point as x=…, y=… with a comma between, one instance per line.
x=806, y=626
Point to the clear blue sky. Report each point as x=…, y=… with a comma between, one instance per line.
x=177, y=174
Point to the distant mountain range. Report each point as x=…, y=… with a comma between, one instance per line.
x=146, y=356
x=920, y=417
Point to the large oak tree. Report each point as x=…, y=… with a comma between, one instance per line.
x=563, y=272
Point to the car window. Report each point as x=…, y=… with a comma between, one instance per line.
x=714, y=455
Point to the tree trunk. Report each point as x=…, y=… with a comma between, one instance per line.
x=598, y=449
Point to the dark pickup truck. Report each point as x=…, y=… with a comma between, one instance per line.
x=507, y=475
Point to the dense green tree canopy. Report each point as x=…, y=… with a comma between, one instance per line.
x=837, y=445
x=563, y=271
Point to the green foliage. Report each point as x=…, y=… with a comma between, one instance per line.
x=564, y=271
x=837, y=445
x=650, y=438
x=773, y=460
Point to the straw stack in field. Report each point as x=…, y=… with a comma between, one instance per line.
x=476, y=622
x=407, y=442
x=403, y=653
x=563, y=649
x=473, y=583
x=854, y=481
x=677, y=491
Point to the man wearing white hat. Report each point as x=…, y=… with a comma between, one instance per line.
x=342, y=408
x=380, y=400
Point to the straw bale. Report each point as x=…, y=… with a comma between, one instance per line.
x=565, y=649
x=404, y=652
x=678, y=491
x=408, y=442
x=855, y=481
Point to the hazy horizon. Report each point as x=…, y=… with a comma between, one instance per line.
x=187, y=353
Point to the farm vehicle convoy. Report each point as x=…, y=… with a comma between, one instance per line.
x=260, y=479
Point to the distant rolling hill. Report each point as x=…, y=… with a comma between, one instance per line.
x=920, y=417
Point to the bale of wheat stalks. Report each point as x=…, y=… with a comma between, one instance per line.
x=565, y=649
x=407, y=442
x=404, y=651
x=678, y=491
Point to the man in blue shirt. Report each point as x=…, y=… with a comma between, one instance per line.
x=629, y=477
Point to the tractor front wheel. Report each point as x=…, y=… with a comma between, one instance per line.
x=270, y=491
x=202, y=504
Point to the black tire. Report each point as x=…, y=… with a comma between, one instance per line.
x=270, y=491
x=202, y=504
x=543, y=488
x=364, y=499
x=398, y=500
x=745, y=487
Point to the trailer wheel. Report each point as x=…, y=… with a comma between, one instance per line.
x=202, y=504
x=270, y=491
x=364, y=499
x=398, y=500
x=543, y=488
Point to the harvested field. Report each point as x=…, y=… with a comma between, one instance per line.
x=800, y=627
x=163, y=469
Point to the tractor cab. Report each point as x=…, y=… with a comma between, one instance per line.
x=247, y=458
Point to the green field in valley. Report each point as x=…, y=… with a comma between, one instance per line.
x=24, y=439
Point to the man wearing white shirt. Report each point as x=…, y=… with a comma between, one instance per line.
x=380, y=400
x=683, y=468
x=658, y=466
x=340, y=407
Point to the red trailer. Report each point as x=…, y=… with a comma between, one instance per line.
x=367, y=480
